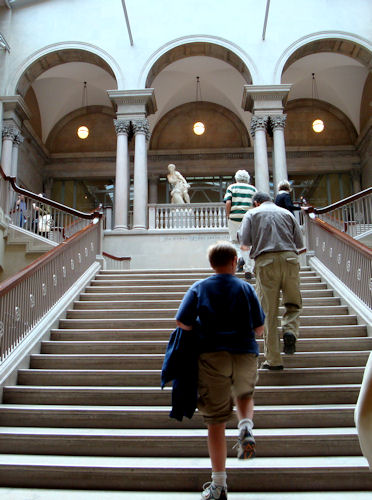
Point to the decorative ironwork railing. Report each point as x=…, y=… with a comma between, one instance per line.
x=28, y=296
x=40, y=215
x=353, y=215
x=188, y=216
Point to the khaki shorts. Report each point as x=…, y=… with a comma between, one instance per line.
x=224, y=376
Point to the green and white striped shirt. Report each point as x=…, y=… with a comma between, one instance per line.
x=241, y=195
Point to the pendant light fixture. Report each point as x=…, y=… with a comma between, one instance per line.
x=83, y=130
x=318, y=124
x=199, y=127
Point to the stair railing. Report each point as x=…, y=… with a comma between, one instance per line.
x=352, y=215
x=44, y=217
x=29, y=295
x=348, y=259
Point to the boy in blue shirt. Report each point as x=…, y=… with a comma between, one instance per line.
x=226, y=313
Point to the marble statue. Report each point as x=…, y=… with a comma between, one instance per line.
x=179, y=185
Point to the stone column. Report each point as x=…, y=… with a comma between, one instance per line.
x=261, y=166
x=280, y=163
x=9, y=133
x=122, y=174
x=140, y=184
x=18, y=139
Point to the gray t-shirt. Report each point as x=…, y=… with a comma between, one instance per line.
x=269, y=228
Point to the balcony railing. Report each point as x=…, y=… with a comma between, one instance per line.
x=40, y=215
x=348, y=259
x=210, y=216
x=28, y=296
x=353, y=215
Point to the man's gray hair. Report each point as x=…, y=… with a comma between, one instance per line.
x=242, y=176
x=261, y=197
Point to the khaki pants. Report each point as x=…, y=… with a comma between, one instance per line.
x=275, y=272
x=234, y=227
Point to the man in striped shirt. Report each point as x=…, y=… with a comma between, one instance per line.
x=238, y=199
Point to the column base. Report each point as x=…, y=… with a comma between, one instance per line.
x=140, y=228
x=121, y=228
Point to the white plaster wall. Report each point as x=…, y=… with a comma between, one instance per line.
x=150, y=250
x=156, y=25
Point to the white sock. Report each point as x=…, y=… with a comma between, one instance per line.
x=219, y=478
x=246, y=422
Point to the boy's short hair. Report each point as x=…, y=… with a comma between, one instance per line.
x=221, y=253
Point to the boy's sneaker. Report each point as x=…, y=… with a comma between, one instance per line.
x=212, y=491
x=246, y=445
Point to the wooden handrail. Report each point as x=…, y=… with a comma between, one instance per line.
x=113, y=257
x=47, y=201
x=340, y=203
x=12, y=281
x=343, y=237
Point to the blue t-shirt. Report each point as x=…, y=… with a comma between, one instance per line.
x=225, y=310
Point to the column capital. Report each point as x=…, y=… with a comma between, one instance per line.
x=122, y=126
x=278, y=121
x=9, y=132
x=141, y=127
x=258, y=123
x=18, y=139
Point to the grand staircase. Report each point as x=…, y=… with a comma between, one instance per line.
x=89, y=412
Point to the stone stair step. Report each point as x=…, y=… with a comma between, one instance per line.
x=157, y=417
x=187, y=281
x=60, y=334
x=141, y=395
x=184, y=474
x=58, y=494
x=156, y=287
x=98, y=303
x=170, y=322
x=180, y=442
x=159, y=346
x=292, y=376
x=95, y=294
x=117, y=313
x=155, y=361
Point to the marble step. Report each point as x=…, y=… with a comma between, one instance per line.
x=164, y=333
x=98, y=303
x=118, y=313
x=94, y=293
x=175, y=280
x=184, y=474
x=278, y=442
x=291, y=376
x=157, y=417
x=159, y=346
x=176, y=272
x=158, y=287
x=58, y=494
x=141, y=395
x=155, y=361
x=169, y=322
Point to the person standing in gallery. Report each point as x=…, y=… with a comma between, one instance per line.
x=238, y=199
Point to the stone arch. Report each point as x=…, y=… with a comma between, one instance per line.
x=223, y=128
x=197, y=46
x=337, y=42
x=99, y=119
x=55, y=55
x=339, y=130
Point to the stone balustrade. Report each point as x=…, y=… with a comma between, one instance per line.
x=187, y=216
